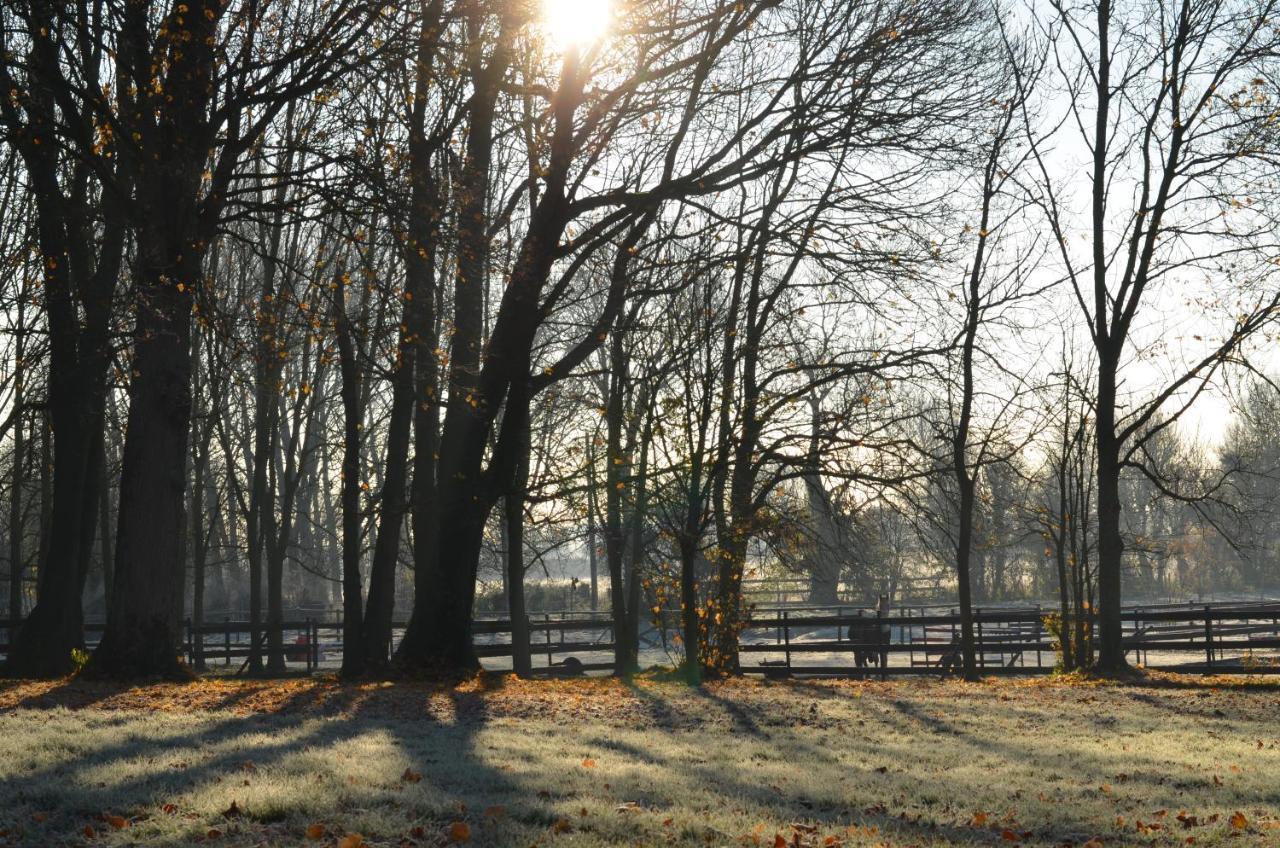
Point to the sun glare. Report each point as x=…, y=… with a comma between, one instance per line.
x=576, y=23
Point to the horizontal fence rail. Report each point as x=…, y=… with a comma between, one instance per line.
x=1236, y=637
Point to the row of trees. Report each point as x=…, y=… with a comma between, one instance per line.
x=344, y=289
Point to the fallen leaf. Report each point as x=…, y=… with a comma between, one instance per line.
x=588, y=763
x=351, y=840
x=315, y=831
x=89, y=832
x=779, y=841
x=170, y=808
x=411, y=776
x=562, y=826
x=459, y=831
x=1238, y=821
x=213, y=833
x=232, y=812
x=978, y=820
x=1008, y=835
x=497, y=811
x=117, y=822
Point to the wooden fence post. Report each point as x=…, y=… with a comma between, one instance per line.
x=982, y=654
x=1039, y=634
x=227, y=639
x=786, y=637
x=1208, y=636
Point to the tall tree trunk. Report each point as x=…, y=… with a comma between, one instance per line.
x=200, y=554
x=106, y=516
x=617, y=472
x=521, y=661
x=1058, y=533
x=635, y=547
x=964, y=547
x=142, y=630
x=81, y=264
x=353, y=653
x=386, y=552
x=16, y=565
x=1110, y=542
x=593, y=560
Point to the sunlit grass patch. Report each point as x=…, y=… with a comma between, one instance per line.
x=503, y=762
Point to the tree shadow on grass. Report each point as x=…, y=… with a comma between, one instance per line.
x=436, y=762
x=96, y=761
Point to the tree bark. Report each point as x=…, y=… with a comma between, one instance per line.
x=1111, y=657
x=521, y=661
x=353, y=653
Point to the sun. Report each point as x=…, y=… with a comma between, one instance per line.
x=576, y=23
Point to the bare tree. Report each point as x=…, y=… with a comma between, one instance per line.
x=1161, y=98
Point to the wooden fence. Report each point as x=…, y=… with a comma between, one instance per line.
x=1224, y=638
x=818, y=641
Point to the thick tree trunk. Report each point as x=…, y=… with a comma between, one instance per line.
x=142, y=631
x=1111, y=657
x=55, y=625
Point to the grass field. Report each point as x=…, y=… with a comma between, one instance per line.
x=597, y=762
